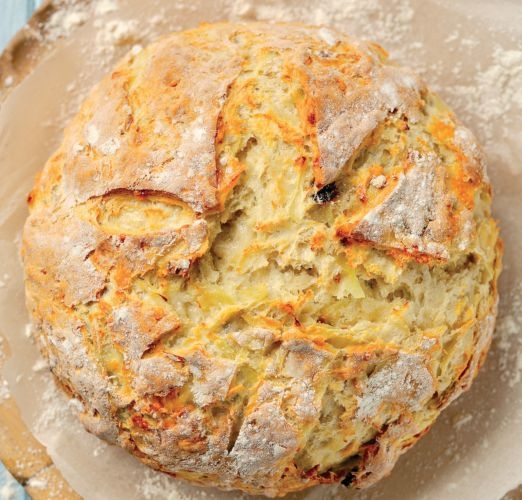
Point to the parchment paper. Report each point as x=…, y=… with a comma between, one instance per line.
x=475, y=449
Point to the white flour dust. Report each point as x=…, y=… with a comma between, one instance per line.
x=483, y=94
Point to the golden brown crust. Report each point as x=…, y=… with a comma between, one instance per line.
x=263, y=258
x=414, y=218
x=108, y=147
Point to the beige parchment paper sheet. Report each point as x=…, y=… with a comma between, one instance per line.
x=469, y=51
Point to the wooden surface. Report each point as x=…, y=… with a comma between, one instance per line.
x=27, y=459
x=13, y=15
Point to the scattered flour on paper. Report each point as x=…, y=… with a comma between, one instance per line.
x=111, y=32
x=482, y=100
x=4, y=391
x=40, y=365
x=102, y=7
x=159, y=487
x=494, y=90
x=385, y=21
x=462, y=419
x=69, y=15
x=56, y=407
x=508, y=337
x=114, y=33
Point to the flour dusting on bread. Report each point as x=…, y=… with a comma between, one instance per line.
x=263, y=257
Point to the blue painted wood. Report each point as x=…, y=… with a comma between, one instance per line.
x=13, y=15
x=9, y=487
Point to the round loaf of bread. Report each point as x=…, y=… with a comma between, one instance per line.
x=263, y=258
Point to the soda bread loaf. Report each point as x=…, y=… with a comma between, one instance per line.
x=263, y=258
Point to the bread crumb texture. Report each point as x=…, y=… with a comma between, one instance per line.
x=263, y=258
